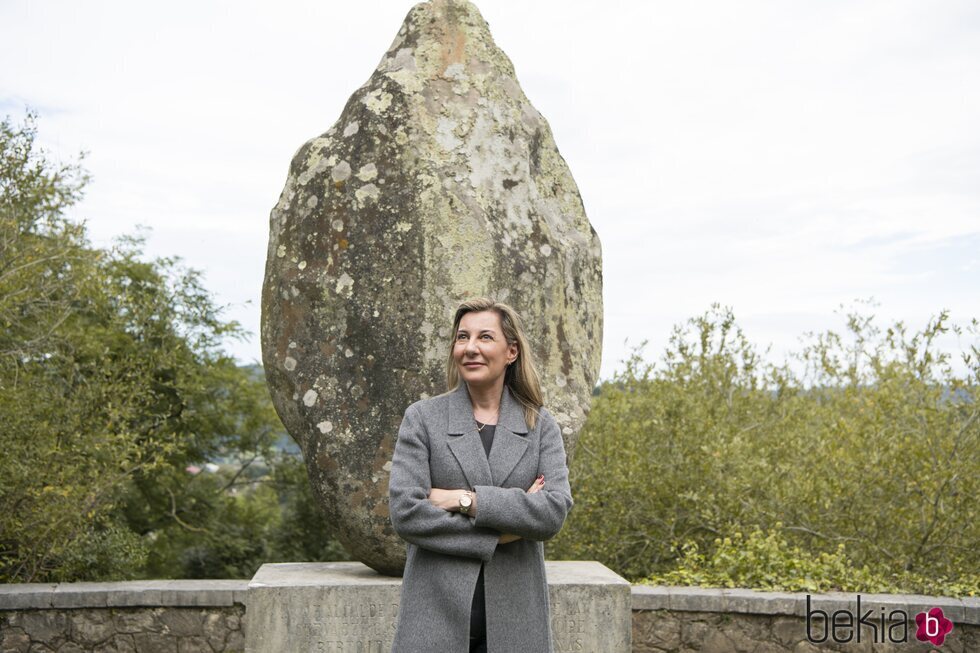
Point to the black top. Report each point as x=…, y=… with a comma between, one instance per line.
x=478, y=617
x=486, y=434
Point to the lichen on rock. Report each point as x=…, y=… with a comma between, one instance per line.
x=439, y=181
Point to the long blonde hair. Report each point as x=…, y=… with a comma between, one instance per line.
x=521, y=376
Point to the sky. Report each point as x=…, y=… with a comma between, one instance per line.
x=781, y=158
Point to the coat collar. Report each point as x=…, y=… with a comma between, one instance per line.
x=508, y=446
x=461, y=412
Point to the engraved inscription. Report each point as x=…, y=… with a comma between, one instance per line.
x=358, y=627
x=347, y=646
x=569, y=626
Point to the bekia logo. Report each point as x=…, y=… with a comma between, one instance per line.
x=933, y=626
x=844, y=626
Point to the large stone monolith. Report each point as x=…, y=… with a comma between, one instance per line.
x=439, y=182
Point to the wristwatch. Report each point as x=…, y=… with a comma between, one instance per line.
x=465, y=501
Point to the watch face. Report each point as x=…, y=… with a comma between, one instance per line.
x=465, y=501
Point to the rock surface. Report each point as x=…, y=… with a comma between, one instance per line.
x=124, y=630
x=439, y=182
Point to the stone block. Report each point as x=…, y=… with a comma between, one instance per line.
x=235, y=642
x=666, y=635
x=650, y=597
x=788, y=630
x=216, y=627
x=156, y=643
x=954, y=609
x=717, y=642
x=124, y=644
x=134, y=594
x=645, y=623
x=183, y=622
x=752, y=602
x=198, y=593
x=233, y=621
x=193, y=645
x=325, y=607
x=26, y=596
x=82, y=595
x=90, y=627
x=806, y=647
x=694, y=632
x=240, y=596
x=69, y=647
x=45, y=626
x=14, y=640
x=830, y=602
x=745, y=635
x=135, y=621
x=755, y=627
x=341, y=606
x=590, y=607
x=697, y=599
x=37, y=647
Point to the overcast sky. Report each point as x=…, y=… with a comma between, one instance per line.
x=782, y=158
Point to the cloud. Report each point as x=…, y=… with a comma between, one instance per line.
x=782, y=158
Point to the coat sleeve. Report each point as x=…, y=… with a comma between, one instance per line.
x=412, y=516
x=537, y=516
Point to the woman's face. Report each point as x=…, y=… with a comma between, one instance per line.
x=481, y=352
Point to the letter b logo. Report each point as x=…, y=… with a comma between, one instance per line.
x=932, y=626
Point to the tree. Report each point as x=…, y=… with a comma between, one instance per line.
x=717, y=466
x=112, y=382
x=46, y=270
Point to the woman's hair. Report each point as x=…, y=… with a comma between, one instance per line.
x=521, y=376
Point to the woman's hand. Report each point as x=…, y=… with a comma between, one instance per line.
x=448, y=500
x=537, y=485
x=507, y=538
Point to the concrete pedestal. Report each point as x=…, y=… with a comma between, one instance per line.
x=346, y=607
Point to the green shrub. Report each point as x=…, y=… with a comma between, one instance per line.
x=113, y=380
x=872, y=443
x=766, y=561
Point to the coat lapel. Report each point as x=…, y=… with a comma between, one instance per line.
x=509, y=440
x=464, y=441
x=509, y=443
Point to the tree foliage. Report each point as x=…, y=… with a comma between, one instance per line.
x=868, y=453
x=112, y=382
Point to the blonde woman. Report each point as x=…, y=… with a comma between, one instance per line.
x=479, y=481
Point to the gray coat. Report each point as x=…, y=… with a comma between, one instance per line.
x=438, y=446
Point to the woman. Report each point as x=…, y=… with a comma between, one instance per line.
x=478, y=481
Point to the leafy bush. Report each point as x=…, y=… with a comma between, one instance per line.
x=766, y=561
x=232, y=526
x=112, y=382
x=874, y=444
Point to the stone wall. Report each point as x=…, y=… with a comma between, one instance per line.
x=208, y=616
x=688, y=619
x=178, y=616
